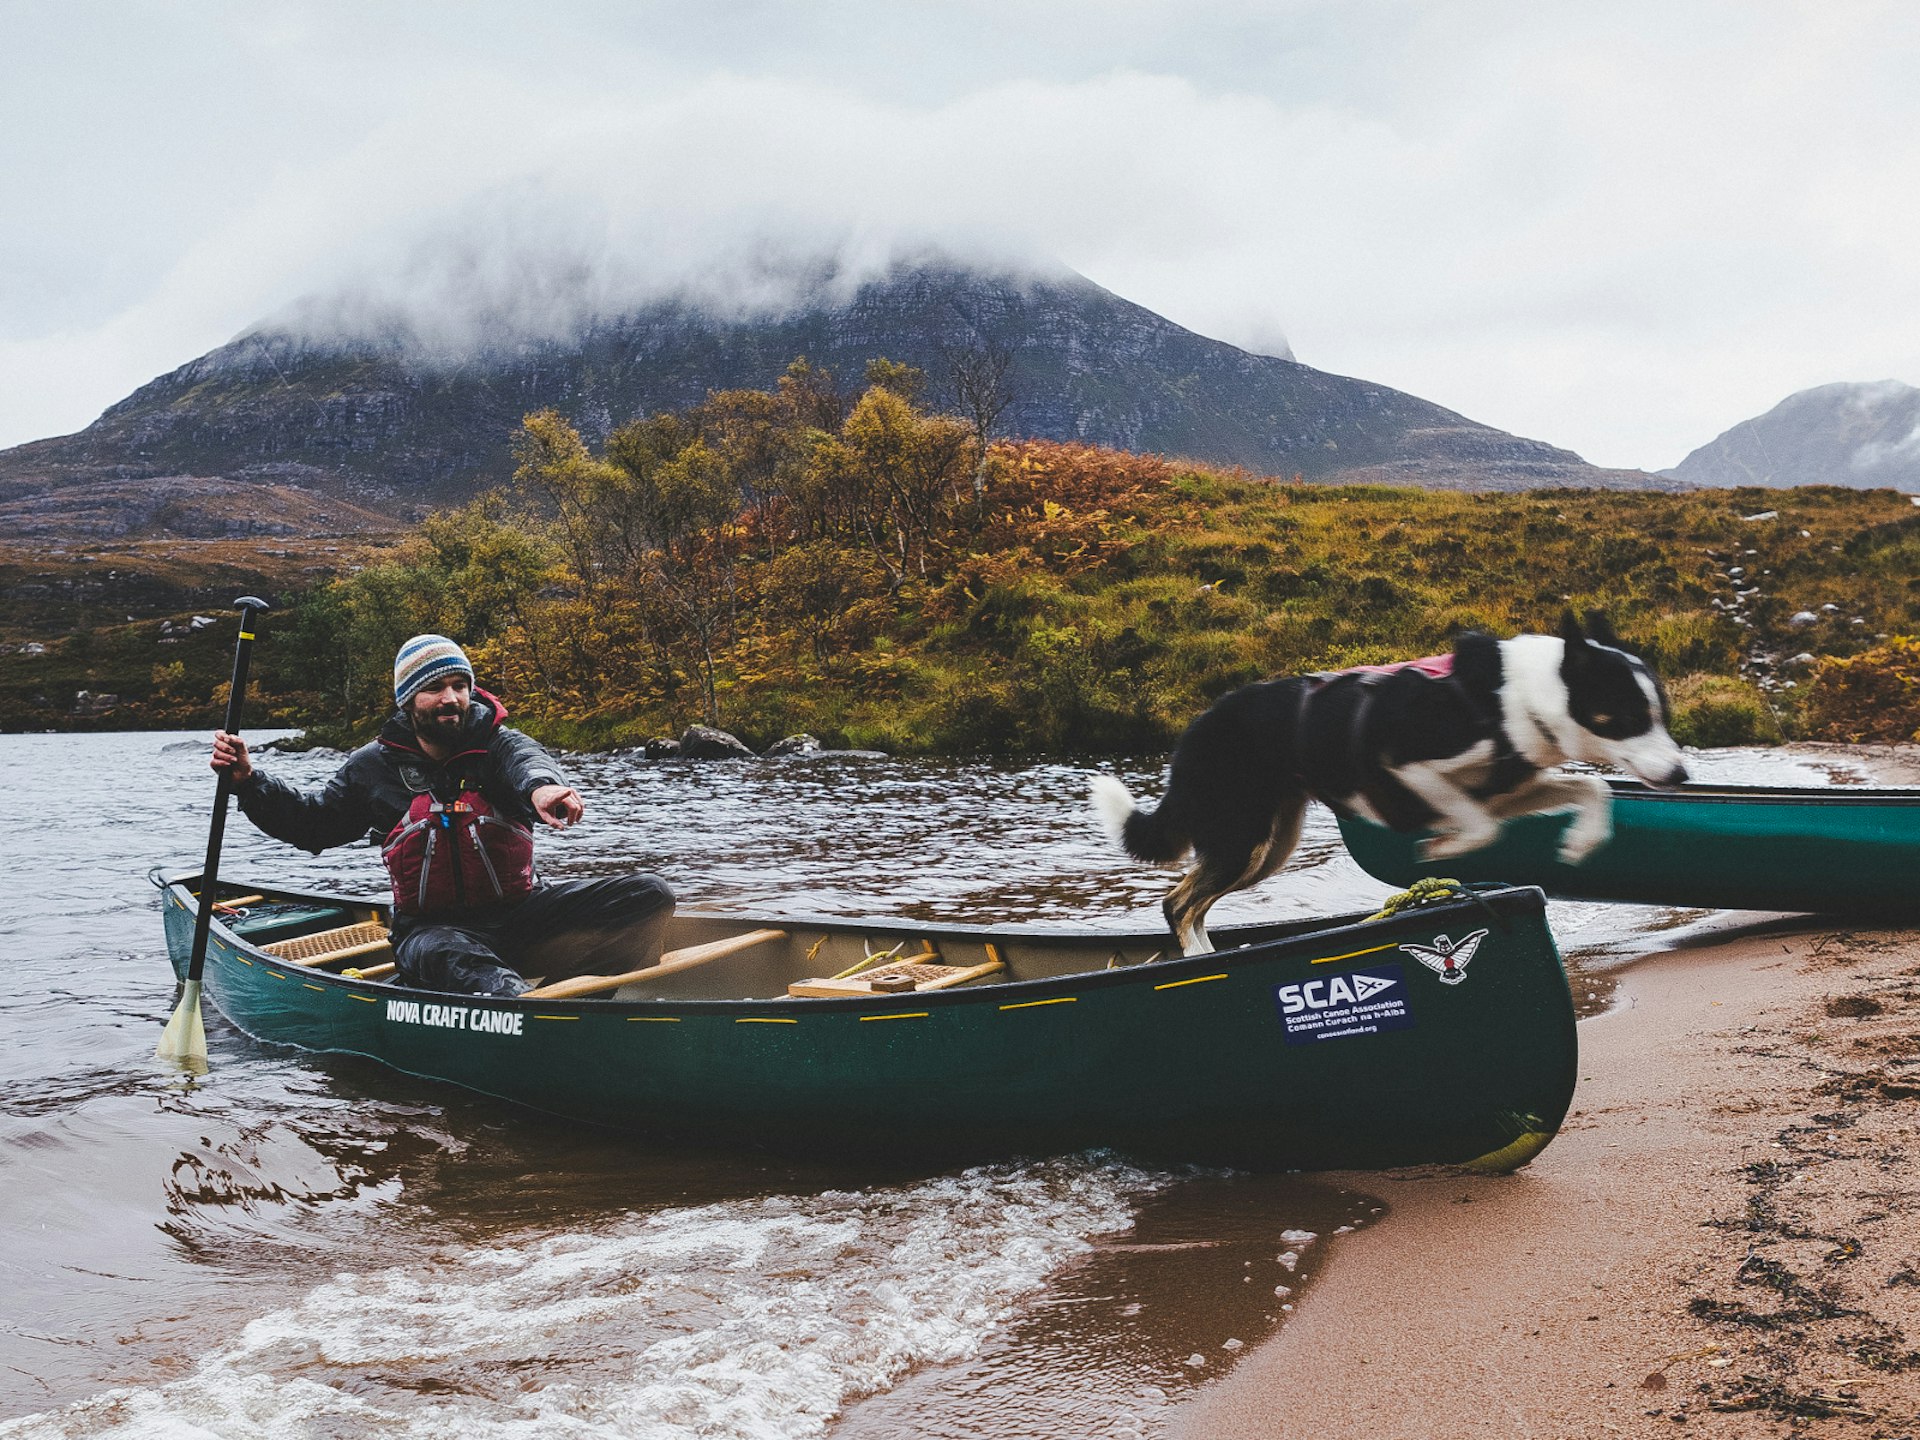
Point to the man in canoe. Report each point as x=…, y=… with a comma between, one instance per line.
x=451, y=795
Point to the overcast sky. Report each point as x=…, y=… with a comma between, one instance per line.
x=1620, y=227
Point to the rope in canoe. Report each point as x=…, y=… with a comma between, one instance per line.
x=1427, y=890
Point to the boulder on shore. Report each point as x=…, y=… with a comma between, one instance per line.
x=703, y=742
x=802, y=744
x=661, y=747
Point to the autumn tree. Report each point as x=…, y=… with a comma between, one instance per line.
x=981, y=376
x=901, y=472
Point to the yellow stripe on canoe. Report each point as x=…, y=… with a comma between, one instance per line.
x=1352, y=955
x=1197, y=980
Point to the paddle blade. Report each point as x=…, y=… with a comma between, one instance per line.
x=184, y=1041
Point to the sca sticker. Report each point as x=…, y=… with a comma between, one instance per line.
x=1360, y=1002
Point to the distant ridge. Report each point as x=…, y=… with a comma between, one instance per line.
x=1862, y=435
x=383, y=425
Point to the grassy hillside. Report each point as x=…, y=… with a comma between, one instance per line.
x=896, y=585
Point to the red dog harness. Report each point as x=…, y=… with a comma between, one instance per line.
x=1438, y=666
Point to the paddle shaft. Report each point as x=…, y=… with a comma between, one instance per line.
x=216, y=831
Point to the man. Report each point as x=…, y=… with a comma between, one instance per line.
x=451, y=794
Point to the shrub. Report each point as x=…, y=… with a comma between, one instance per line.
x=1716, y=710
x=1874, y=695
x=1680, y=642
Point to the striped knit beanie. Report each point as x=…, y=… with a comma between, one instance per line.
x=423, y=660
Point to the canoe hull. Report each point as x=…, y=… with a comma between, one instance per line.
x=1725, y=847
x=1194, y=1059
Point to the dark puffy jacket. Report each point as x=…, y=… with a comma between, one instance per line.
x=369, y=793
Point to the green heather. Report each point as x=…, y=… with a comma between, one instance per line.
x=896, y=582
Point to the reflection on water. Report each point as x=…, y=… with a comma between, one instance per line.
x=314, y=1245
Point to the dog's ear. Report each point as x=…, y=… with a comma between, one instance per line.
x=1578, y=652
x=1600, y=629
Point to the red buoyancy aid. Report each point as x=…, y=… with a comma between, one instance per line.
x=456, y=855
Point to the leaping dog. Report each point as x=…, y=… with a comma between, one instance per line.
x=1455, y=743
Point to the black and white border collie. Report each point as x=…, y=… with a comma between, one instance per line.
x=1454, y=744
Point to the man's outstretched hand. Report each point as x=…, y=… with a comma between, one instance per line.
x=558, y=805
x=230, y=757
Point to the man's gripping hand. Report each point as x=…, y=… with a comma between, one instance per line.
x=558, y=805
x=230, y=757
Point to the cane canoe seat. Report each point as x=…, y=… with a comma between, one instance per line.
x=365, y=941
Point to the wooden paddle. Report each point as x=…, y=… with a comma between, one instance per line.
x=184, y=1041
x=671, y=963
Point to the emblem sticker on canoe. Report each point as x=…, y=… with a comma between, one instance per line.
x=1360, y=1002
x=1447, y=958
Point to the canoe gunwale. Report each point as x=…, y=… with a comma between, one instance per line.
x=1822, y=797
x=1504, y=903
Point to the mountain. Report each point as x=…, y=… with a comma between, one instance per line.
x=1865, y=436
x=383, y=422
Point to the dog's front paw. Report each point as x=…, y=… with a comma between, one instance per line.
x=1449, y=843
x=1586, y=835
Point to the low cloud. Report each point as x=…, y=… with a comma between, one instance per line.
x=1621, y=232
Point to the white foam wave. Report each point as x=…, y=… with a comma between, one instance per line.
x=748, y=1318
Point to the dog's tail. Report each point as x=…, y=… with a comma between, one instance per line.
x=1154, y=835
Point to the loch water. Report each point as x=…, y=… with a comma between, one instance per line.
x=309, y=1246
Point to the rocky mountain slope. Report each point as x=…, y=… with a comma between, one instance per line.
x=1866, y=436
x=377, y=423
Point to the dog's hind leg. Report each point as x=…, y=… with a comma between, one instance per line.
x=1287, y=819
x=1187, y=903
x=1216, y=875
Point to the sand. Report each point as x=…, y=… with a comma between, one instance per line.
x=1724, y=1240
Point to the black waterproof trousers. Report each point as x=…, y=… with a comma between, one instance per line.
x=571, y=927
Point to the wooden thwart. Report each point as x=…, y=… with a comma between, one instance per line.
x=671, y=963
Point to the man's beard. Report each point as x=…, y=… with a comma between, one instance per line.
x=444, y=723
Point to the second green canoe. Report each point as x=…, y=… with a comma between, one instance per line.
x=1734, y=847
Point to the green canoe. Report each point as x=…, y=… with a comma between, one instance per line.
x=1734, y=847
x=1322, y=1044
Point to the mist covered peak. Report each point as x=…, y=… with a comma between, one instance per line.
x=489, y=297
x=1861, y=434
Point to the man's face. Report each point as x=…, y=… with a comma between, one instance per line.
x=439, y=712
